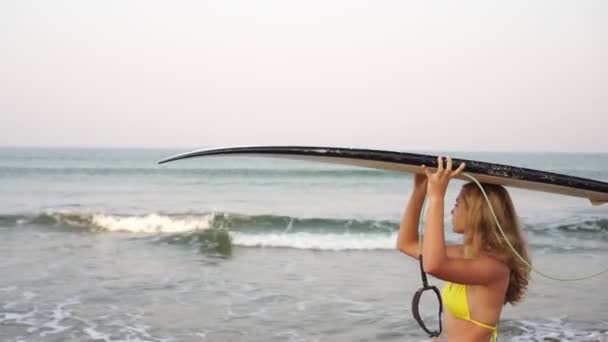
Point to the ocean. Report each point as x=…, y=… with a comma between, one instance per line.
x=106, y=245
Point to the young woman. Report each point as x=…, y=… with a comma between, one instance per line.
x=482, y=274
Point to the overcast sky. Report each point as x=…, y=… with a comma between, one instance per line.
x=417, y=75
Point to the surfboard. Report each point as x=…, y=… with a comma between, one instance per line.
x=507, y=175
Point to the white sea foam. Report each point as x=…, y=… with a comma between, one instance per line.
x=153, y=223
x=330, y=242
x=27, y=295
x=19, y=318
x=60, y=314
x=96, y=335
x=556, y=330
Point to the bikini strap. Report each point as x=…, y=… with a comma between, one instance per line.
x=493, y=328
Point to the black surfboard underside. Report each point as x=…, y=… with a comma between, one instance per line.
x=519, y=177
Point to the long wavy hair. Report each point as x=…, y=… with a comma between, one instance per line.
x=483, y=237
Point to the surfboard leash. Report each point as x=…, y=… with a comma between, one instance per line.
x=425, y=287
x=513, y=248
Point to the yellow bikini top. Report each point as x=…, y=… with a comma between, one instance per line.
x=454, y=298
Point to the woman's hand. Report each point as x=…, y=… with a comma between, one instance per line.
x=438, y=181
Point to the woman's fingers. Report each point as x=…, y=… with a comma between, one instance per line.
x=439, y=164
x=445, y=171
x=458, y=171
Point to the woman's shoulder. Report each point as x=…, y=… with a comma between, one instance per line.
x=499, y=263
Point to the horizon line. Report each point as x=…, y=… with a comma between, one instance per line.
x=192, y=148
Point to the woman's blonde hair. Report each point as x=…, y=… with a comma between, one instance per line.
x=483, y=237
